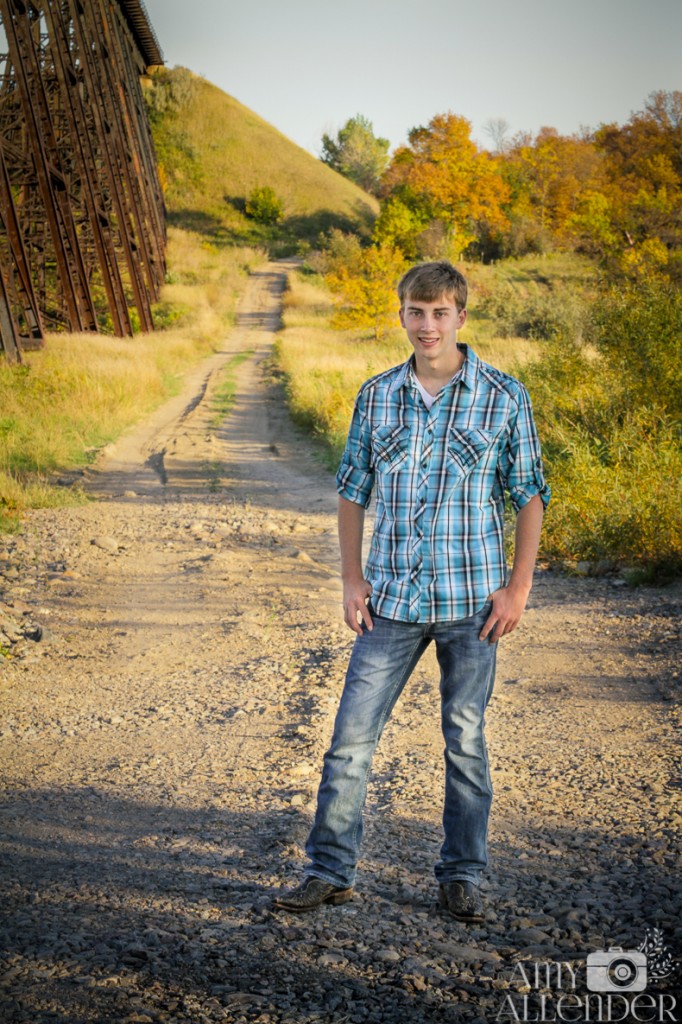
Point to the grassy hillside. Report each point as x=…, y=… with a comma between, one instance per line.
x=213, y=152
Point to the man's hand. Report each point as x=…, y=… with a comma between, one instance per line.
x=508, y=606
x=509, y=602
x=355, y=595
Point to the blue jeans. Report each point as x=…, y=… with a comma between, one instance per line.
x=382, y=661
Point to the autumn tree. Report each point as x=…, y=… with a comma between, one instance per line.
x=547, y=175
x=366, y=291
x=443, y=176
x=401, y=224
x=357, y=153
x=643, y=160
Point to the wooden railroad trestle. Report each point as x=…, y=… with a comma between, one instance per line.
x=82, y=219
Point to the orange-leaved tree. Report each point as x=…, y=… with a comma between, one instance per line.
x=643, y=160
x=550, y=173
x=442, y=175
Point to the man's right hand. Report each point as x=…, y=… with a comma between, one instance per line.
x=356, y=593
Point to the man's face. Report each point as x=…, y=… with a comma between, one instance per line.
x=432, y=326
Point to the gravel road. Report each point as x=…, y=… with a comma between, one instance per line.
x=173, y=653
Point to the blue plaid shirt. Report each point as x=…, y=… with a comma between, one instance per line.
x=440, y=476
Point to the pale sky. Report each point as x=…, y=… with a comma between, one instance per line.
x=306, y=66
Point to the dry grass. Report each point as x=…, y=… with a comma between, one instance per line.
x=81, y=391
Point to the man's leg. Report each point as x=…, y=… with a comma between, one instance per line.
x=381, y=663
x=467, y=676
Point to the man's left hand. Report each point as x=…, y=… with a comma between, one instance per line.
x=508, y=606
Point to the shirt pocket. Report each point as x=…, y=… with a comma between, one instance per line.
x=390, y=447
x=466, y=448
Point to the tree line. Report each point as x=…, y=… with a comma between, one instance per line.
x=614, y=193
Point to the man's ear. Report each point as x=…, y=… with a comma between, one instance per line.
x=402, y=317
x=461, y=318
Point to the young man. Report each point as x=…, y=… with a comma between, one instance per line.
x=439, y=439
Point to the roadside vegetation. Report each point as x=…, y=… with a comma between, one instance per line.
x=82, y=390
x=609, y=424
x=324, y=366
x=236, y=191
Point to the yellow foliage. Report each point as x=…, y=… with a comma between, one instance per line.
x=367, y=293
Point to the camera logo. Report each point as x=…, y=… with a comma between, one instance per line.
x=616, y=970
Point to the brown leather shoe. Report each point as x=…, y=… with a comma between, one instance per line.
x=311, y=894
x=461, y=899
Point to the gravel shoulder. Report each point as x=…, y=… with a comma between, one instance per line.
x=174, y=654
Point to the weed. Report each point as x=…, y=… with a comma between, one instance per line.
x=224, y=394
x=214, y=472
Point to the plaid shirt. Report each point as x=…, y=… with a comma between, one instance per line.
x=437, y=550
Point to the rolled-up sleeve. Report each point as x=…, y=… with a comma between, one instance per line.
x=355, y=476
x=521, y=459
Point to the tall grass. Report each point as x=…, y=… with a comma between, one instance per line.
x=82, y=390
x=610, y=416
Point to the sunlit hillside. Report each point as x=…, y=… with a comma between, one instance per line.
x=213, y=152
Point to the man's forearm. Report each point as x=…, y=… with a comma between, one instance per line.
x=351, y=524
x=526, y=543
x=356, y=589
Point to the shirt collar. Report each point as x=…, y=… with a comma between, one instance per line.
x=466, y=374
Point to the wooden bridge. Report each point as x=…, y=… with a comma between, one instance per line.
x=82, y=231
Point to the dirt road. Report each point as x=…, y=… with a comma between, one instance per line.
x=160, y=748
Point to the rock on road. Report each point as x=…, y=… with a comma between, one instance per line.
x=163, y=724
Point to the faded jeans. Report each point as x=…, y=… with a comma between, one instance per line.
x=382, y=661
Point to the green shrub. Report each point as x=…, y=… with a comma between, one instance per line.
x=639, y=331
x=264, y=206
x=609, y=417
x=334, y=250
x=538, y=315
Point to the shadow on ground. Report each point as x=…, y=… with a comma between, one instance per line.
x=114, y=906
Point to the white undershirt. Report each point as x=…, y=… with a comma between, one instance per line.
x=428, y=399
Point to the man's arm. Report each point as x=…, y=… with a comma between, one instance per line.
x=356, y=589
x=509, y=602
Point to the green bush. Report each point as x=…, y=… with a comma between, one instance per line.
x=540, y=315
x=264, y=206
x=609, y=417
x=639, y=331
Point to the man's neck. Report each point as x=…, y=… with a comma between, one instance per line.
x=434, y=376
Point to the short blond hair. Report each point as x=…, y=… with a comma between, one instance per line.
x=427, y=282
